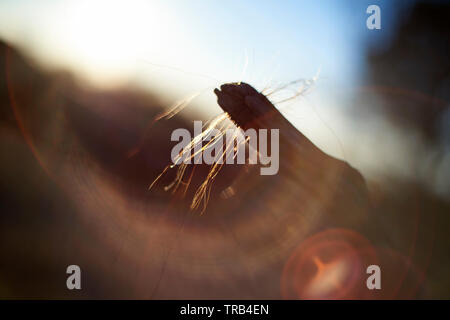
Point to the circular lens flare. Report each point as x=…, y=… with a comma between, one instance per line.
x=329, y=265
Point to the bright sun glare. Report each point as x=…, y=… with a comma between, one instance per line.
x=106, y=39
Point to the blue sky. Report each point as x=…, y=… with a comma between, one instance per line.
x=282, y=40
x=180, y=47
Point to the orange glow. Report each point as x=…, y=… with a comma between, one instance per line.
x=329, y=265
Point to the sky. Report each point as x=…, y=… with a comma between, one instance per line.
x=184, y=47
x=109, y=41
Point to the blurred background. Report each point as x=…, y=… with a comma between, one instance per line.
x=80, y=85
